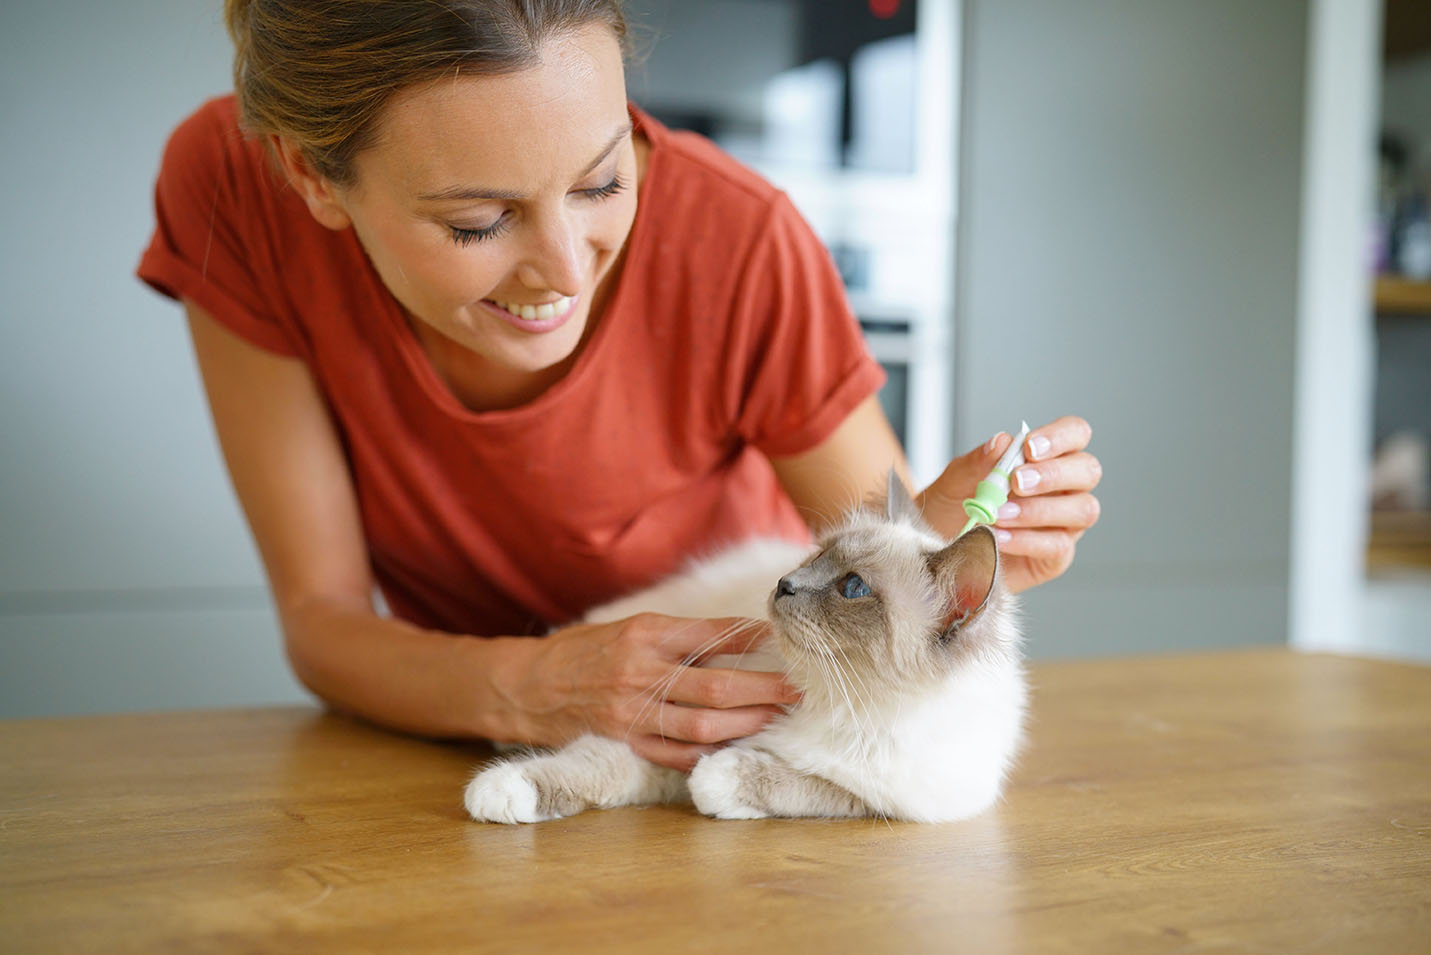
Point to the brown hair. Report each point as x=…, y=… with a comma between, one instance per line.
x=319, y=72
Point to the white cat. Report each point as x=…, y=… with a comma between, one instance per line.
x=904, y=646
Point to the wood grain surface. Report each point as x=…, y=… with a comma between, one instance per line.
x=1248, y=801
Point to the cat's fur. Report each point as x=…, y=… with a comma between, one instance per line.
x=913, y=696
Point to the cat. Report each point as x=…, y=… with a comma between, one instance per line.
x=904, y=646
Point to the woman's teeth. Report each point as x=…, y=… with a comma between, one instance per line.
x=536, y=312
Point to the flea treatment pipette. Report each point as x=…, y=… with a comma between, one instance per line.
x=993, y=491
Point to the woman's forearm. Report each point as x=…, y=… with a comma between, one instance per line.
x=629, y=679
x=405, y=677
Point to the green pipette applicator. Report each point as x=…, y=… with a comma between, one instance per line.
x=993, y=491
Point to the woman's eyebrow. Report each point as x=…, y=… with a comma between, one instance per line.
x=452, y=193
x=615, y=141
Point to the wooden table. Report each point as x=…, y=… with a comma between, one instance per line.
x=1257, y=800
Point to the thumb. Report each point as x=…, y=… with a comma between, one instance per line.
x=965, y=472
x=987, y=454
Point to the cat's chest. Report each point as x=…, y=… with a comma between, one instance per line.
x=880, y=739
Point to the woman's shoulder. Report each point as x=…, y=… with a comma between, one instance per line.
x=213, y=168
x=691, y=171
x=232, y=237
x=211, y=137
x=214, y=117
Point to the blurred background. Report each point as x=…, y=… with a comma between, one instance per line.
x=1201, y=224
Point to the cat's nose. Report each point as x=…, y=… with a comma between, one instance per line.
x=784, y=589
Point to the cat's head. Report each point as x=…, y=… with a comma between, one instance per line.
x=888, y=603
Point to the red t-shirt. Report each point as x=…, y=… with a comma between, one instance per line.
x=727, y=339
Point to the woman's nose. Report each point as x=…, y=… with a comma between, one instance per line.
x=552, y=261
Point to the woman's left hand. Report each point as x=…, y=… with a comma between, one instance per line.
x=1050, y=504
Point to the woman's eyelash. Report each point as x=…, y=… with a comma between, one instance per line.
x=604, y=192
x=465, y=237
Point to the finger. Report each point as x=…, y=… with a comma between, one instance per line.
x=699, y=639
x=1080, y=471
x=1076, y=511
x=1038, y=544
x=960, y=476
x=1069, y=433
x=669, y=752
x=726, y=689
x=700, y=724
x=739, y=634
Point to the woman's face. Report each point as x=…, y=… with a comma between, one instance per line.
x=493, y=207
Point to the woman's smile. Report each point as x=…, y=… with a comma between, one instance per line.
x=535, y=319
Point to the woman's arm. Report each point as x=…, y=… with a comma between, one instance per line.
x=847, y=469
x=291, y=477
x=1037, y=542
x=288, y=469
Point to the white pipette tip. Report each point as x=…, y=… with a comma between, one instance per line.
x=1014, y=456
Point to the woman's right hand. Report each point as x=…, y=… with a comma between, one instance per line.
x=638, y=680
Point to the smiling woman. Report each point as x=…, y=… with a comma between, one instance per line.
x=476, y=331
x=487, y=182
x=487, y=200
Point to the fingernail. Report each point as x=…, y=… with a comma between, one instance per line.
x=989, y=448
x=1038, y=447
x=1002, y=536
x=1027, y=478
x=1008, y=511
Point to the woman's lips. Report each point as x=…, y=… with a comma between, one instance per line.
x=535, y=319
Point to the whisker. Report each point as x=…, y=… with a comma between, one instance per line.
x=837, y=678
x=849, y=673
x=656, y=694
x=864, y=716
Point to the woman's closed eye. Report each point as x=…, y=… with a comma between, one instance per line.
x=466, y=236
x=854, y=587
x=607, y=191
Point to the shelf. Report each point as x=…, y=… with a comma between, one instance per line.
x=1399, y=539
x=1402, y=296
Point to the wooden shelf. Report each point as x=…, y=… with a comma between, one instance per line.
x=1402, y=296
x=1399, y=539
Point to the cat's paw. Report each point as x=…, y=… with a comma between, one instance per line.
x=715, y=786
x=503, y=793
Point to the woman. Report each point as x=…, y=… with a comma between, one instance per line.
x=477, y=332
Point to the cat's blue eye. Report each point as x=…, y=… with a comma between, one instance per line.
x=853, y=587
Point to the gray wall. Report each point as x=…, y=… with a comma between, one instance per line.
x=1128, y=252
x=1128, y=249
x=127, y=578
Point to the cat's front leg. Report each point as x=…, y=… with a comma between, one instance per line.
x=589, y=773
x=747, y=783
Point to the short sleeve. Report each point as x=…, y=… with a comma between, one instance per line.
x=208, y=244
x=804, y=362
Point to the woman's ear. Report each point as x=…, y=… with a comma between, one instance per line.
x=320, y=195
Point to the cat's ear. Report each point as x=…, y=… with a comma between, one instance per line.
x=966, y=571
x=898, y=505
